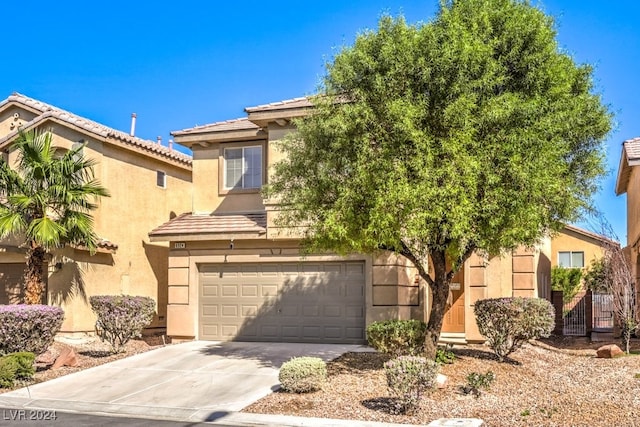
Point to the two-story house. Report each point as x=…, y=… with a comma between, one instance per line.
x=149, y=184
x=628, y=182
x=233, y=275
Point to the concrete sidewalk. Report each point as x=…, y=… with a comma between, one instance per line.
x=194, y=381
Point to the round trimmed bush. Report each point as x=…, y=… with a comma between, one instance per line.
x=28, y=327
x=507, y=323
x=303, y=374
x=397, y=337
x=409, y=378
x=121, y=317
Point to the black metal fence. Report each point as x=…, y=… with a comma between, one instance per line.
x=583, y=314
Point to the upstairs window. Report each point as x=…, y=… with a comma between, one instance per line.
x=571, y=259
x=161, y=179
x=243, y=168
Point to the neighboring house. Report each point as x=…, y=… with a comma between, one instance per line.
x=574, y=247
x=149, y=184
x=628, y=182
x=234, y=275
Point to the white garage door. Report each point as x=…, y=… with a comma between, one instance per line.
x=286, y=302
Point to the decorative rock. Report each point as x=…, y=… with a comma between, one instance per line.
x=47, y=358
x=609, y=351
x=441, y=381
x=67, y=358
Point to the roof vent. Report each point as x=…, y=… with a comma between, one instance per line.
x=133, y=124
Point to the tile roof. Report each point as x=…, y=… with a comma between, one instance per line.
x=47, y=111
x=189, y=223
x=102, y=244
x=281, y=105
x=632, y=148
x=107, y=244
x=591, y=234
x=630, y=157
x=227, y=125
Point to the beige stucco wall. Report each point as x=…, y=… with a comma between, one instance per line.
x=209, y=195
x=633, y=223
x=569, y=240
x=136, y=206
x=9, y=122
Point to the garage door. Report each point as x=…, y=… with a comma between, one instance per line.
x=11, y=283
x=287, y=302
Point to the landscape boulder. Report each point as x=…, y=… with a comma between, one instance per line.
x=67, y=357
x=609, y=351
x=441, y=381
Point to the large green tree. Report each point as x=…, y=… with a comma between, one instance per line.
x=47, y=198
x=473, y=132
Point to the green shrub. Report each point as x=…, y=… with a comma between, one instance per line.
x=303, y=374
x=28, y=327
x=409, y=378
x=507, y=323
x=567, y=280
x=444, y=356
x=16, y=366
x=397, y=337
x=121, y=317
x=477, y=381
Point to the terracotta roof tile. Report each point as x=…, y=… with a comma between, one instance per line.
x=632, y=148
x=47, y=111
x=235, y=124
x=630, y=157
x=591, y=234
x=189, y=223
x=281, y=105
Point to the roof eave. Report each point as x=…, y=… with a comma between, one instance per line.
x=263, y=118
x=200, y=236
x=46, y=117
x=207, y=137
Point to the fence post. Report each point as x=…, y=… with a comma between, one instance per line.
x=588, y=312
x=558, y=305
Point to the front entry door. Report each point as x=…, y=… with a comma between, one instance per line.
x=454, y=316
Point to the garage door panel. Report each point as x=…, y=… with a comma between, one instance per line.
x=229, y=310
x=249, y=310
x=332, y=311
x=294, y=302
x=229, y=331
x=269, y=290
x=210, y=290
x=355, y=333
x=210, y=310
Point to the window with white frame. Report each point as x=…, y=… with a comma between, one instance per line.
x=571, y=259
x=161, y=179
x=243, y=168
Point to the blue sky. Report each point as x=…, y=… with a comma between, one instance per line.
x=178, y=64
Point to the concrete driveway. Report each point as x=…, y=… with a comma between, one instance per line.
x=194, y=381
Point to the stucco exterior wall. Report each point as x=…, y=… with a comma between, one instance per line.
x=633, y=224
x=568, y=240
x=136, y=206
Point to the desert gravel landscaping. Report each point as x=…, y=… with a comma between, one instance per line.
x=553, y=383
x=90, y=352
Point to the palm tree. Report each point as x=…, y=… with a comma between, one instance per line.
x=47, y=197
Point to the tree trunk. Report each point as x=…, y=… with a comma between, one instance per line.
x=34, y=275
x=439, y=292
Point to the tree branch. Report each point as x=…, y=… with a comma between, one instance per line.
x=465, y=256
x=407, y=253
